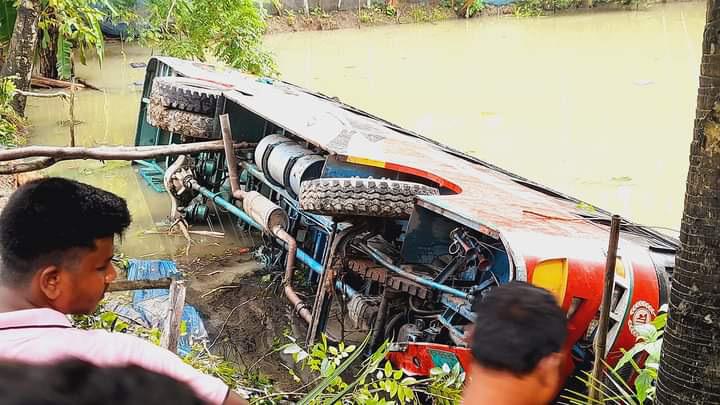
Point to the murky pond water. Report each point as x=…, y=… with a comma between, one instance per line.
x=596, y=105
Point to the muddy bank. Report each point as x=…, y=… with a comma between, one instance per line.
x=432, y=11
x=320, y=20
x=7, y=185
x=244, y=310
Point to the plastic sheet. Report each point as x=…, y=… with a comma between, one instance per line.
x=149, y=307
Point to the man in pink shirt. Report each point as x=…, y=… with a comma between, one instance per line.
x=56, y=247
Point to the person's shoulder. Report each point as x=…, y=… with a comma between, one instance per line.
x=123, y=344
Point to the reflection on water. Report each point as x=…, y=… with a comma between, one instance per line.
x=596, y=105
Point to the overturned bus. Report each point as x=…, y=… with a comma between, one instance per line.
x=403, y=230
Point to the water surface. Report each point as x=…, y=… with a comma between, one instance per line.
x=598, y=105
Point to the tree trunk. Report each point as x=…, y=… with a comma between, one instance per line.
x=47, y=57
x=20, y=57
x=690, y=363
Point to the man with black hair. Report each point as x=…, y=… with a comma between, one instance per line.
x=56, y=249
x=516, y=344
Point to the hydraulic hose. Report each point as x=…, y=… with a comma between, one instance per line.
x=385, y=262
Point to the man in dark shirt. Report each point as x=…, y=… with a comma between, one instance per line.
x=516, y=343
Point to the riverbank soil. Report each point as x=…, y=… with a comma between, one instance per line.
x=403, y=13
x=245, y=313
x=432, y=11
x=7, y=185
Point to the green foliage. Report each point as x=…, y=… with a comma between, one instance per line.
x=380, y=7
x=318, y=11
x=72, y=25
x=112, y=322
x=229, y=30
x=420, y=14
x=64, y=58
x=77, y=24
x=290, y=17
x=616, y=389
x=199, y=357
x=7, y=20
x=475, y=7
x=458, y=5
x=534, y=8
x=376, y=12
x=121, y=261
x=366, y=16
x=376, y=381
x=446, y=386
x=530, y=8
x=12, y=125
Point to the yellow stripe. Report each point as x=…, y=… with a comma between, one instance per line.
x=366, y=162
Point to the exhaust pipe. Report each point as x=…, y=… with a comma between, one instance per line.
x=290, y=293
x=266, y=213
x=230, y=158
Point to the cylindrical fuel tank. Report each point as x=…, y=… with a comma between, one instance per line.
x=286, y=163
x=308, y=167
x=263, y=149
x=282, y=158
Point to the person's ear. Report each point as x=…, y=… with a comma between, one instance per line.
x=50, y=282
x=548, y=370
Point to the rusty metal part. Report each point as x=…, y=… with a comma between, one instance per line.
x=230, y=158
x=265, y=212
x=291, y=245
x=323, y=296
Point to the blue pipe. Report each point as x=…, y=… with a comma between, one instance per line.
x=379, y=257
x=300, y=254
x=228, y=206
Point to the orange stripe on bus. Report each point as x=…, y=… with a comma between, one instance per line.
x=405, y=169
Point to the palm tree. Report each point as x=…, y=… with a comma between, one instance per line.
x=690, y=363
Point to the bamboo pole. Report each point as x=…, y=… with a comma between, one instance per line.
x=601, y=335
x=171, y=325
x=71, y=113
x=129, y=285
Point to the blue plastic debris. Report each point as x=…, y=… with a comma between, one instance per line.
x=151, y=305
